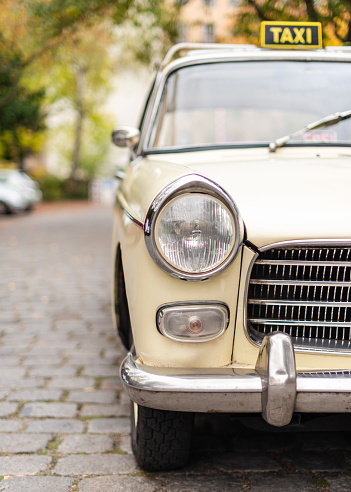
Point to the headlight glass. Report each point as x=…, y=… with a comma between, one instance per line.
x=195, y=232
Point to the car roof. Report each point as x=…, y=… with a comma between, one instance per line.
x=195, y=53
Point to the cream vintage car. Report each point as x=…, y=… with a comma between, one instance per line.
x=232, y=242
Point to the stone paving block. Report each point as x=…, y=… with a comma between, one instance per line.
x=64, y=426
x=124, y=398
x=271, y=442
x=317, y=461
x=72, y=383
x=7, y=408
x=3, y=393
x=36, y=395
x=118, y=351
x=36, y=484
x=84, y=443
x=120, y=484
x=19, y=383
x=101, y=371
x=321, y=441
x=112, y=410
x=124, y=444
x=23, y=443
x=96, y=464
x=90, y=361
x=12, y=372
x=40, y=409
x=97, y=396
x=107, y=426
x=286, y=483
x=10, y=425
x=235, y=462
x=70, y=325
x=191, y=483
x=9, y=361
x=112, y=383
x=23, y=464
x=44, y=345
x=42, y=361
x=338, y=483
x=53, y=371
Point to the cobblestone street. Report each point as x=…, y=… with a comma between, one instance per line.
x=64, y=419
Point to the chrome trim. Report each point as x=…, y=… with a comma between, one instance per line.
x=295, y=322
x=276, y=366
x=204, y=47
x=246, y=296
x=191, y=183
x=274, y=388
x=307, y=243
x=127, y=210
x=299, y=303
x=288, y=244
x=298, y=282
x=192, y=305
x=120, y=175
x=304, y=263
x=126, y=136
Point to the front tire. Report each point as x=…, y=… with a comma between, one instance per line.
x=161, y=439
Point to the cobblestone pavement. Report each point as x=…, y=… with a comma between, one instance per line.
x=64, y=423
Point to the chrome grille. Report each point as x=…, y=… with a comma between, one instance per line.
x=304, y=292
x=325, y=374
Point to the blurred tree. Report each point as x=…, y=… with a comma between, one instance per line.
x=57, y=37
x=335, y=16
x=80, y=80
x=33, y=28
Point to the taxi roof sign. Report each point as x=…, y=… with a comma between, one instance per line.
x=291, y=35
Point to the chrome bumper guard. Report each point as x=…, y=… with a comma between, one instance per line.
x=273, y=388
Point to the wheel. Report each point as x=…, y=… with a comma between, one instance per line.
x=161, y=440
x=4, y=209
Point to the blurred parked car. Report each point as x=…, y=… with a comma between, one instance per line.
x=232, y=240
x=11, y=201
x=19, y=182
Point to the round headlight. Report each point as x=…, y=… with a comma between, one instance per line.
x=195, y=233
x=193, y=229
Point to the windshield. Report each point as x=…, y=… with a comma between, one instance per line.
x=255, y=102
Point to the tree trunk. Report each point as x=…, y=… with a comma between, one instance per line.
x=311, y=11
x=80, y=110
x=348, y=36
x=18, y=155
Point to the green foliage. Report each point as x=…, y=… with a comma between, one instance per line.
x=55, y=188
x=60, y=51
x=21, y=117
x=335, y=17
x=51, y=186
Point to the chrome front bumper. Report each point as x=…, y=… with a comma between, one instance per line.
x=273, y=388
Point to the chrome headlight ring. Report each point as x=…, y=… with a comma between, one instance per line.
x=192, y=186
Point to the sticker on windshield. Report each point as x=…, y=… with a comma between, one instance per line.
x=301, y=35
x=319, y=136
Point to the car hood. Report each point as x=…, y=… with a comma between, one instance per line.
x=291, y=194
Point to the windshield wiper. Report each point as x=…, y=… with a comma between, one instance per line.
x=330, y=120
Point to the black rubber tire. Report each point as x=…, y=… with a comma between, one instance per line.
x=4, y=209
x=161, y=440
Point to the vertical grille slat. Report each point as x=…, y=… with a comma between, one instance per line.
x=304, y=292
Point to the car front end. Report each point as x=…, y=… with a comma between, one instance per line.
x=233, y=246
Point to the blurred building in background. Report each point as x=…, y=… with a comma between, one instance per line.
x=207, y=21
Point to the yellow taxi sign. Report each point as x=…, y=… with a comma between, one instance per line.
x=291, y=35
